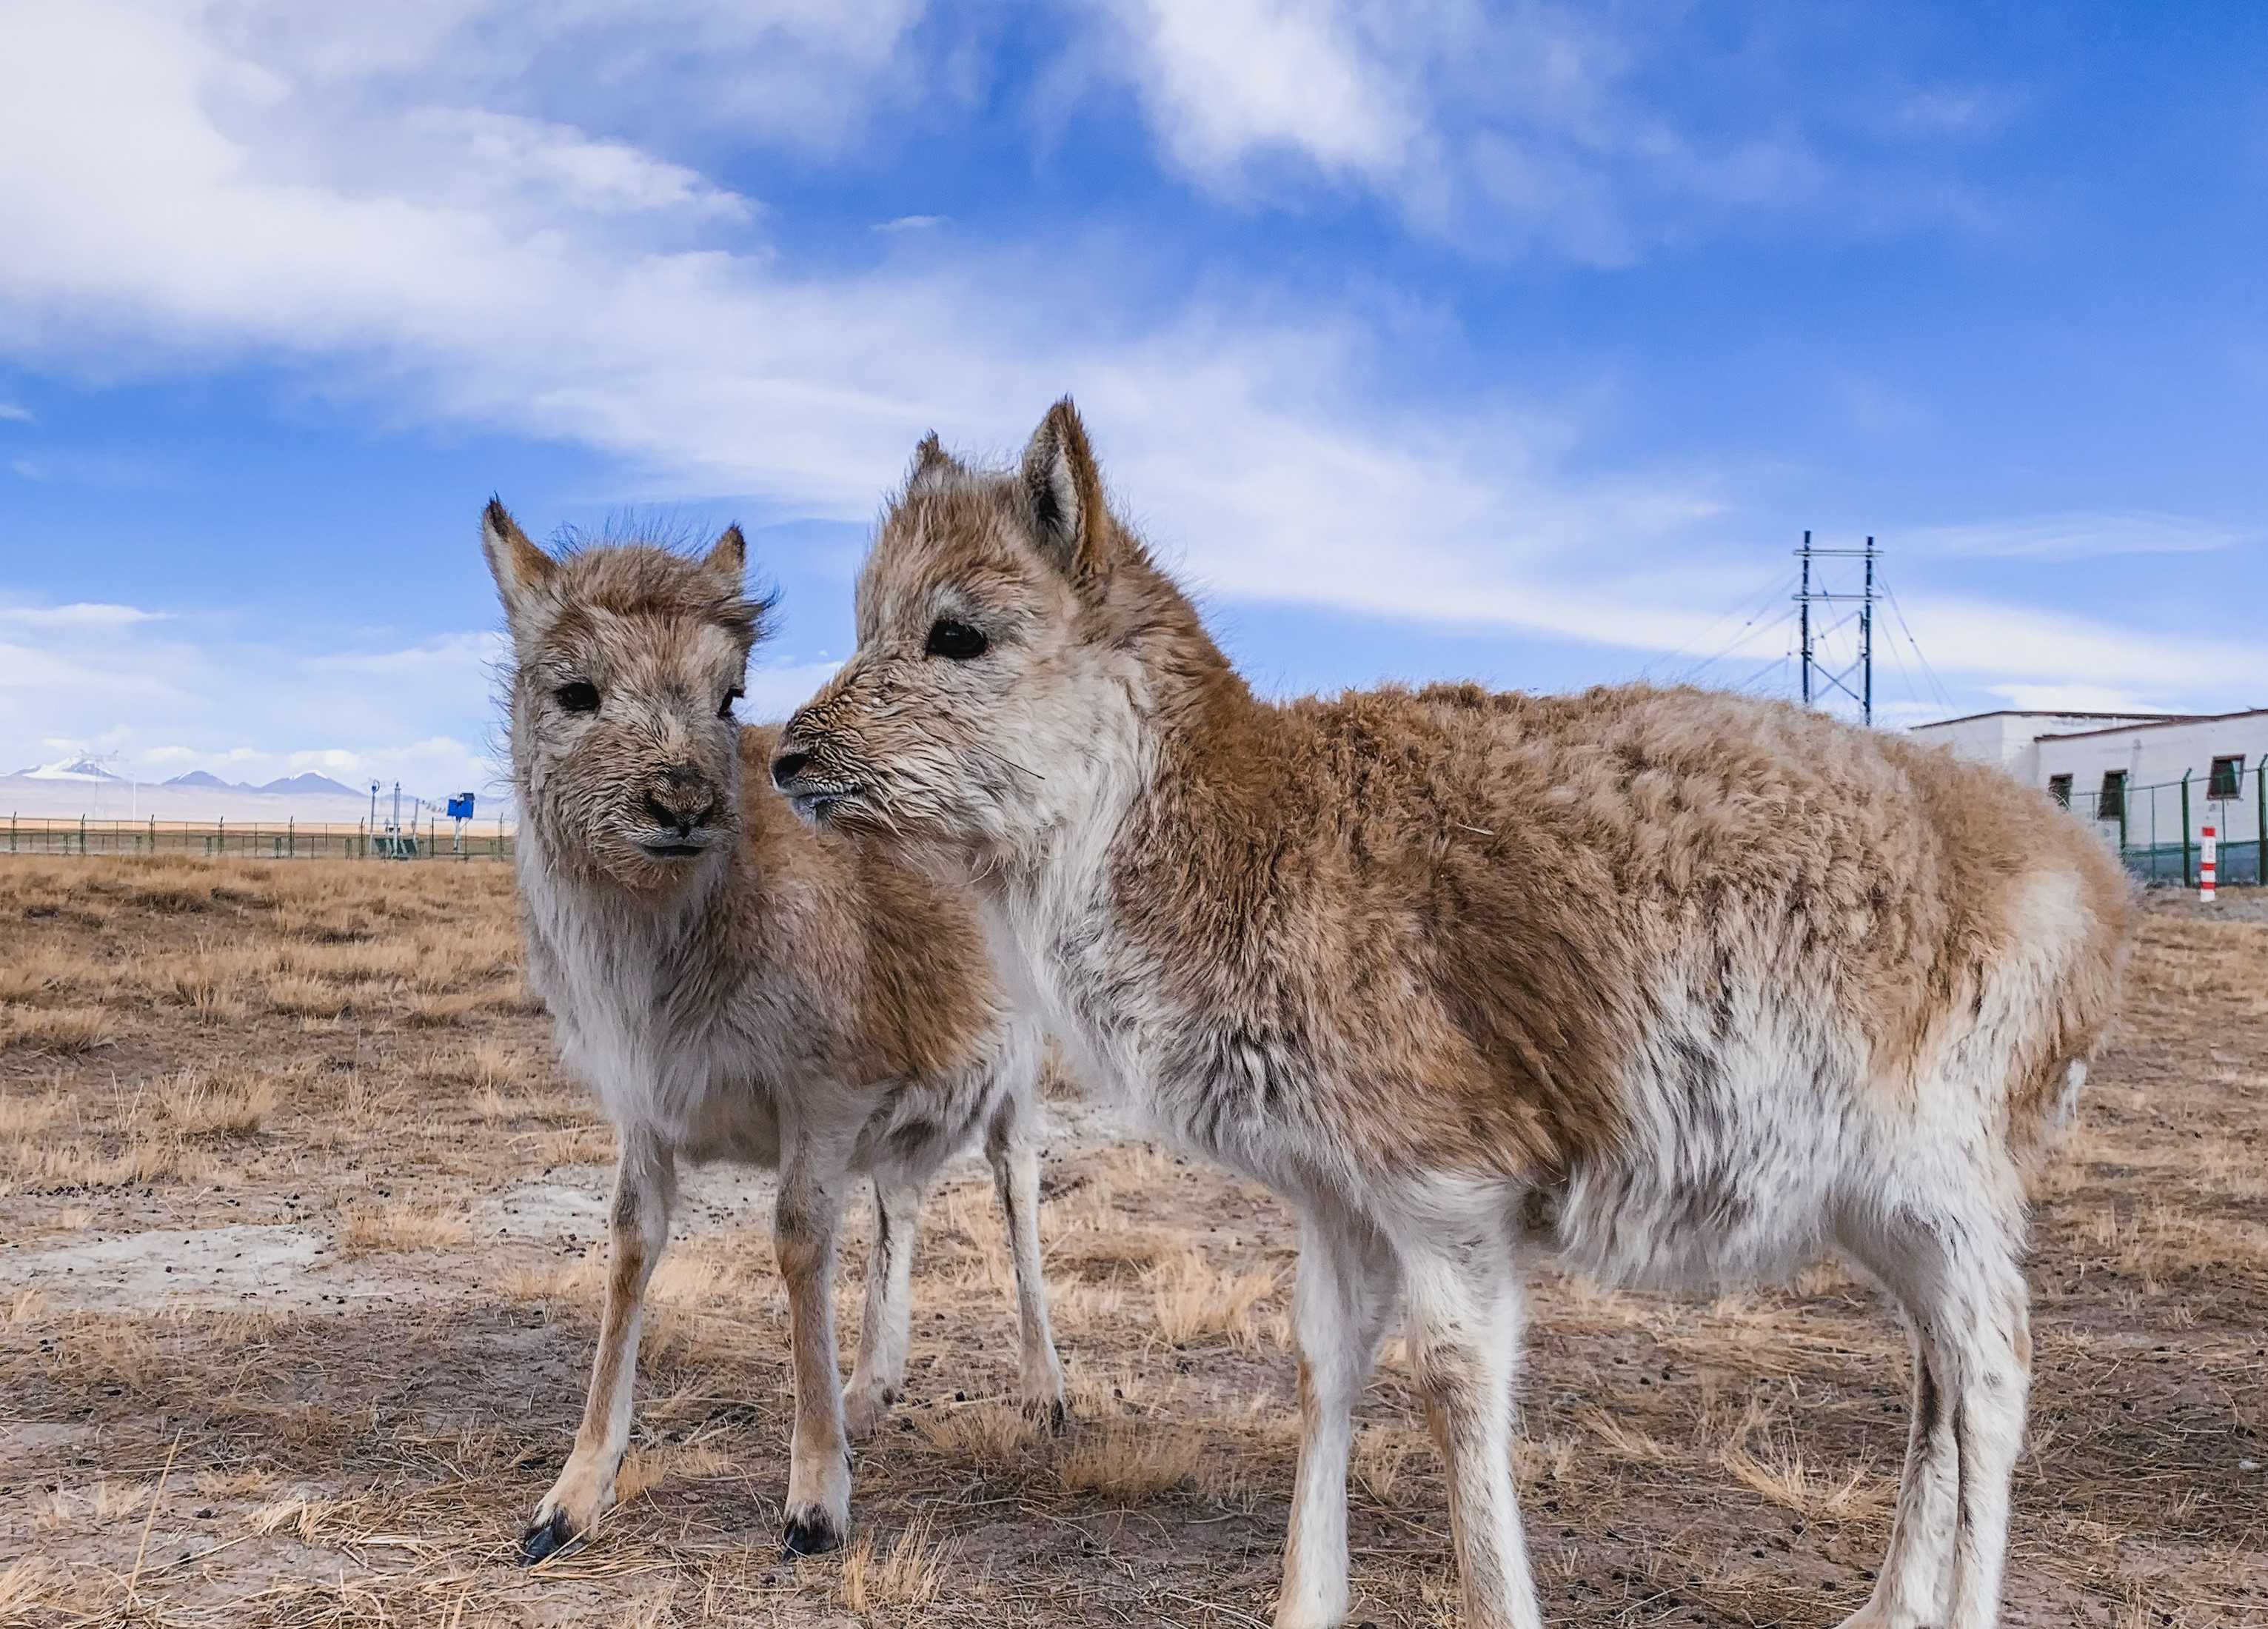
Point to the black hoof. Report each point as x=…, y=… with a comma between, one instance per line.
x=1052, y=1415
x=814, y=1534
x=546, y=1538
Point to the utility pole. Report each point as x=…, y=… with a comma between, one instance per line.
x=1817, y=681
x=1867, y=638
x=1803, y=611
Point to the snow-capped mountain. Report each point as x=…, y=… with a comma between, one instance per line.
x=69, y=769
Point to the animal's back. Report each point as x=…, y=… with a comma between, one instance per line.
x=1590, y=879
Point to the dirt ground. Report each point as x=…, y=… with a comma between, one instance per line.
x=300, y=1232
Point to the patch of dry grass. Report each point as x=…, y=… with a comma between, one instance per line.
x=1195, y=1302
x=135, y=1162
x=226, y=1100
x=66, y=1030
x=1777, y=1473
x=22, y=1113
x=988, y=1434
x=1131, y=1459
x=304, y=996
x=401, y=1225
x=910, y=1576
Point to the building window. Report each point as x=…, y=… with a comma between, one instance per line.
x=2228, y=777
x=2111, y=805
x=2060, y=789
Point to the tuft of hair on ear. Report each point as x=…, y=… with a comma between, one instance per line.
x=1063, y=490
x=748, y=616
x=520, y=568
x=728, y=556
x=933, y=464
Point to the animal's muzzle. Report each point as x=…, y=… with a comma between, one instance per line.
x=683, y=799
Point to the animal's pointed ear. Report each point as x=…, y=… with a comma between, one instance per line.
x=521, y=570
x=1064, y=492
x=933, y=464
x=728, y=557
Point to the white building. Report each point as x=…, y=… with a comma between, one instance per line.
x=2011, y=739
x=2152, y=782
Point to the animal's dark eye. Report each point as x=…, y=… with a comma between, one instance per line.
x=578, y=696
x=724, y=707
x=956, y=641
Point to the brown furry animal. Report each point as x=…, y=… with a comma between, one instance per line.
x=734, y=986
x=1680, y=987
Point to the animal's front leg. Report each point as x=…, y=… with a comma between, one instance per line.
x=805, y=1227
x=645, y=1193
x=1340, y=1307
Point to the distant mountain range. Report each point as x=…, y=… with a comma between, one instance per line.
x=291, y=785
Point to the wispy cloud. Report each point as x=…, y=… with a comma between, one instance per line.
x=2078, y=536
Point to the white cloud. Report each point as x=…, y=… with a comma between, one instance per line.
x=1226, y=77
x=2008, y=647
x=166, y=694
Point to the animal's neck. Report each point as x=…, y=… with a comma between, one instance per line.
x=1213, y=789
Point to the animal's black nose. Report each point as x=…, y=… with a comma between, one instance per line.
x=787, y=766
x=684, y=799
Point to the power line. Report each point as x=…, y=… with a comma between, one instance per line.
x=1936, y=684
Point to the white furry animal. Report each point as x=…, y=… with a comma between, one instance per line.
x=736, y=987
x=1681, y=987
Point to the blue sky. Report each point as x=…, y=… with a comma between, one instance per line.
x=1520, y=342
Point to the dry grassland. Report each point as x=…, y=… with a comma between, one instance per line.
x=297, y=1285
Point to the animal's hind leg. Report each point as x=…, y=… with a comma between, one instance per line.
x=645, y=1193
x=1911, y=1589
x=1987, y=1346
x=1958, y=1277
x=1464, y=1330
x=1015, y=1162
x=880, y=1370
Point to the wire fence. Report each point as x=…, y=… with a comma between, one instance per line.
x=437, y=840
x=2158, y=832
x=2159, y=829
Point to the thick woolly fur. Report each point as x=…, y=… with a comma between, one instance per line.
x=735, y=987
x=1681, y=987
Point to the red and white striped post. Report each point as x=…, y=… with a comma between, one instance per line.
x=2205, y=856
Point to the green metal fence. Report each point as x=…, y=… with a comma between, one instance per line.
x=436, y=840
x=2158, y=830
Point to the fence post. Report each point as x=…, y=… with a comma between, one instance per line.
x=291, y=836
x=2188, y=877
